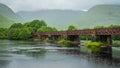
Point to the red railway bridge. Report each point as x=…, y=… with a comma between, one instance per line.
x=103, y=35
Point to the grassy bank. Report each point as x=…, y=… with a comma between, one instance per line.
x=67, y=43
x=94, y=46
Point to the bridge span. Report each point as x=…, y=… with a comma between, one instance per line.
x=102, y=35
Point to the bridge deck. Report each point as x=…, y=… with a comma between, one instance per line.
x=103, y=31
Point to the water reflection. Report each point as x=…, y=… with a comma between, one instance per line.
x=22, y=54
x=31, y=52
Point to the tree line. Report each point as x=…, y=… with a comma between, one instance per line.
x=19, y=31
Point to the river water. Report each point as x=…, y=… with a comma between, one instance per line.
x=24, y=54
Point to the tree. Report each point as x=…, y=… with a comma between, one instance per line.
x=114, y=26
x=35, y=24
x=3, y=33
x=13, y=33
x=19, y=34
x=71, y=27
x=17, y=25
x=24, y=34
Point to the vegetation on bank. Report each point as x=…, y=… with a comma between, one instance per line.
x=66, y=43
x=3, y=33
x=71, y=27
x=94, y=46
x=48, y=40
x=19, y=31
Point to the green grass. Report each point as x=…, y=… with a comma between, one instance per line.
x=64, y=43
x=67, y=43
x=48, y=40
x=94, y=46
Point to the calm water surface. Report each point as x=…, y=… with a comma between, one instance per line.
x=21, y=54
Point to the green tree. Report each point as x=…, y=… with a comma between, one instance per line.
x=3, y=33
x=24, y=34
x=13, y=34
x=114, y=26
x=19, y=34
x=71, y=27
x=17, y=25
x=35, y=24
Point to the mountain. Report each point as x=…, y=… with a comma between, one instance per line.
x=7, y=16
x=4, y=22
x=100, y=15
x=55, y=18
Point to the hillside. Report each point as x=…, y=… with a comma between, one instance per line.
x=4, y=22
x=100, y=15
x=7, y=16
x=56, y=18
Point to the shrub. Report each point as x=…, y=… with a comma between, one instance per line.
x=48, y=40
x=94, y=46
x=65, y=43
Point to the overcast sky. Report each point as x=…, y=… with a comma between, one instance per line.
x=31, y=5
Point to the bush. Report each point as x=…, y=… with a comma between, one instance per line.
x=66, y=43
x=48, y=40
x=94, y=46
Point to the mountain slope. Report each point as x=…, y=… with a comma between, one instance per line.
x=56, y=18
x=7, y=16
x=100, y=15
x=4, y=22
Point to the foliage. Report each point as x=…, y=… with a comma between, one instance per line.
x=116, y=37
x=35, y=24
x=3, y=33
x=110, y=26
x=71, y=27
x=85, y=37
x=94, y=46
x=19, y=34
x=19, y=31
x=116, y=44
x=24, y=34
x=48, y=40
x=65, y=43
x=46, y=29
x=114, y=26
x=16, y=25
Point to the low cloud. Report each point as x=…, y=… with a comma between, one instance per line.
x=30, y=5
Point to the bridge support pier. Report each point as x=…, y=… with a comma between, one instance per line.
x=74, y=38
x=103, y=38
x=42, y=38
x=55, y=37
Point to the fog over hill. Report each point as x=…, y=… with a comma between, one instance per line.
x=7, y=16
x=100, y=15
x=55, y=18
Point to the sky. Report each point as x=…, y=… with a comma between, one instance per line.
x=33, y=5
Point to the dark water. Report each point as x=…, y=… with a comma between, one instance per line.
x=21, y=54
